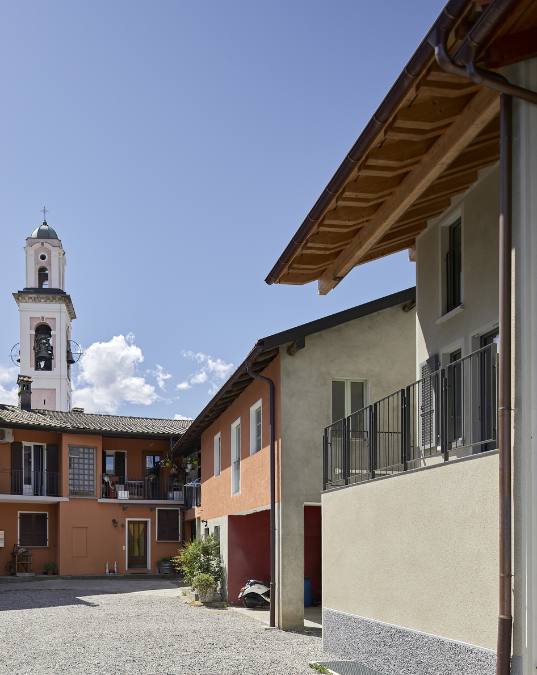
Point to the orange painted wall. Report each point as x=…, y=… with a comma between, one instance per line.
x=216, y=497
x=104, y=541
x=9, y=523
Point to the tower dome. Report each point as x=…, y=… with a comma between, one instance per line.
x=44, y=231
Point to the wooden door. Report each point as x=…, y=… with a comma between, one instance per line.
x=137, y=544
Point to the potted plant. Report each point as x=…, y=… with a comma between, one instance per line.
x=165, y=565
x=205, y=585
x=50, y=568
x=201, y=557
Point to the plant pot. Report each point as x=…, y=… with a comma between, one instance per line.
x=165, y=567
x=209, y=596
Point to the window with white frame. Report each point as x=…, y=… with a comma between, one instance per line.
x=451, y=265
x=217, y=450
x=236, y=457
x=348, y=396
x=33, y=528
x=255, y=427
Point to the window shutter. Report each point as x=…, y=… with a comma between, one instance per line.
x=16, y=468
x=33, y=529
x=427, y=403
x=168, y=524
x=52, y=470
x=119, y=466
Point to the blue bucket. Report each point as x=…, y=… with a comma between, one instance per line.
x=308, y=594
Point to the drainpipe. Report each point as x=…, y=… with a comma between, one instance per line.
x=505, y=615
x=507, y=91
x=272, y=424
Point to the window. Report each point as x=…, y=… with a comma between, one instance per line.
x=151, y=463
x=255, y=427
x=33, y=529
x=43, y=350
x=348, y=396
x=236, y=457
x=115, y=464
x=453, y=266
x=42, y=277
x=217, y=449
x=81, y=471
x=168, y=521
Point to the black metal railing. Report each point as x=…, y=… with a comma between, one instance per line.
x=149, y=488
x=451, y=412
x=29, y=483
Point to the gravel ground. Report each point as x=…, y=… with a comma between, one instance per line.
x=141, y=626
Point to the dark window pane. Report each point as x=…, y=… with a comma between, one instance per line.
x=33, y=529
x=357, y=396
x=338, y=400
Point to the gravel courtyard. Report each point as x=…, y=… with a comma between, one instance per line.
x=136, y=626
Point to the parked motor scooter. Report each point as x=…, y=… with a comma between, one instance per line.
x=255, y=594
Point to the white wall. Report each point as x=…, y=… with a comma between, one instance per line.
x=379, y=348
x=419, y=550
x=436, y=334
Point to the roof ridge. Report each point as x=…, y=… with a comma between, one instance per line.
x=136, y=417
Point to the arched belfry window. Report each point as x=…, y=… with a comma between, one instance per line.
x=42, y=277
x=43, y=347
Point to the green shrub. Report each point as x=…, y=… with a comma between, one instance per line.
x=201, y=556
x=50, y=567
x=204, y=583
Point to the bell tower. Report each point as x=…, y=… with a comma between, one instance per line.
x=46, y=312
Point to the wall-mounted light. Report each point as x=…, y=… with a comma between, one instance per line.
x=205, y=522
x=115, y=522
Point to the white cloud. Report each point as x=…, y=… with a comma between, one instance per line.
x=161, y=376
x=199, y=378
x=8, y=385
x=108, y=376
x=181, y=417
x=211, y=369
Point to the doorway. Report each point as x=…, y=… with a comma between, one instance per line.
x=138, y=550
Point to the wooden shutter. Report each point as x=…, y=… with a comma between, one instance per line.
x=168, y=524
x=119, y=466
x=16, y=468
x=33, y=529
x=52, y=470
x=428, y=407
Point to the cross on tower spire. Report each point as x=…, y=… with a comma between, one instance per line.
x=45, y=211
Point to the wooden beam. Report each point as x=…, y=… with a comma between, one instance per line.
x=477, y=114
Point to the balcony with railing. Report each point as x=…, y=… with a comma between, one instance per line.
x=450, y=413
x=150, y=488
x=28, y=483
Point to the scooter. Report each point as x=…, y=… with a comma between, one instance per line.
x=255, y=594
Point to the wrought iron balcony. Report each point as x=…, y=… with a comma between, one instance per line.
x=152, y=488
x=451, y=412
x=29, y=483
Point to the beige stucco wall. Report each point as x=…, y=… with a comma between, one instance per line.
x=418, y=550
x=478, y=210
x=379, y=348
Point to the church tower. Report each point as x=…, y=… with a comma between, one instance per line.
x=46, y=312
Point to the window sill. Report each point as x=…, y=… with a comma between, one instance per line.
x=448, y=315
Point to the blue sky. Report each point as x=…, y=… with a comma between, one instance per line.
x=178, y=146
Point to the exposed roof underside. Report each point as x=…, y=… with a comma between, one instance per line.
x=266, y=349
x=426, y=144
x=79, y=422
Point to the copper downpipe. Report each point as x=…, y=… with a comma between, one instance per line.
x=505, y=618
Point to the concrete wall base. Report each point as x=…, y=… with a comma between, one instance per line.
x=398, y=651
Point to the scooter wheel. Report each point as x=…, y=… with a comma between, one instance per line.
x=251, y=601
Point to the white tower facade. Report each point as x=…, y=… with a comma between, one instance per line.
x=46, y=312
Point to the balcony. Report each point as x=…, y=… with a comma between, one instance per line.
x=448, y=414
x=29, y=483
x=150, y=488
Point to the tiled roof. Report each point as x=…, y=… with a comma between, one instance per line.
x=94, y=423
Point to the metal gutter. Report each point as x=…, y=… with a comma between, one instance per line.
x=446, y=21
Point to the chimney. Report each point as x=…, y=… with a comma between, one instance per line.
x=25, y=392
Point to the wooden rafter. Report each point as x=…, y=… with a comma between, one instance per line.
x=476, y=116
